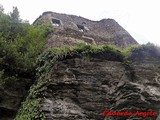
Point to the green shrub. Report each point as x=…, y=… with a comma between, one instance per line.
x=143, y=51
x=20, y=45
x=30, y=110
x=127, y=51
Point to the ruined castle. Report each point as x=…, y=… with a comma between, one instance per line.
x=71, y=30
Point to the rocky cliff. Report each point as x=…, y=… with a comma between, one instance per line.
x=11, y=98
x=71, y=30
x=88, y=79
x=84, y=82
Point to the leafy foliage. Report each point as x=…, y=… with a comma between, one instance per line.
x=142, y=51
x=1, y=9
x=30, y=110
x=20, y=45
x=15, y=15
x=127, y=51
x=47, y=28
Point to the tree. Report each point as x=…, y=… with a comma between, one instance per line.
x=15, y=15
x=1, y=9
x=20, y=45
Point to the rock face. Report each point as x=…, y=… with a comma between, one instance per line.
x=11, y=98
x=71, y=30
x=81, y=89
x=9, y=104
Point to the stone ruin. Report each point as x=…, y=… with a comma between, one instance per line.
x=71, y=30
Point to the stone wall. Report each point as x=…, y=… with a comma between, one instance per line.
x=105, y=31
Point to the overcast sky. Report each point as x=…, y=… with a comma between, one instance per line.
x=141, y=18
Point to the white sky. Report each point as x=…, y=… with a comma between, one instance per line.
x=141, y=18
